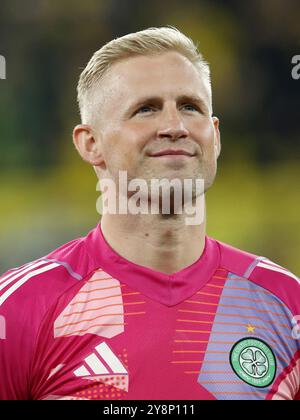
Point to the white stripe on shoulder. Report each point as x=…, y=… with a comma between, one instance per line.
x=278, y=269
x=13, y=276
x=272, y=264
x=23, y=280
x=13, y=271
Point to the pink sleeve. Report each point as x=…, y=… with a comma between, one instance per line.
x=17, y=335
x=26, y=294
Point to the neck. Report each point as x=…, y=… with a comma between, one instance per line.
x=164, y=244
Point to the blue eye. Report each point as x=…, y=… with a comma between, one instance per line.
x=190, y=107
x=144, y=109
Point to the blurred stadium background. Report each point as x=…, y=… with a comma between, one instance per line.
x=48, y=195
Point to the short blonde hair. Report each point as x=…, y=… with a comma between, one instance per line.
x=147, y=42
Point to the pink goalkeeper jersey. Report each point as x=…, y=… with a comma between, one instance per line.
x=85, y=323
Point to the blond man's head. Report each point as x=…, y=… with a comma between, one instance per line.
x=147, y=42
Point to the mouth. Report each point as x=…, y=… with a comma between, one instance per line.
x=172, y=153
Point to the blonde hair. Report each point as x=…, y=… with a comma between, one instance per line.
x=146, y=42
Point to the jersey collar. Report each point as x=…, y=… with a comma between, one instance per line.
x=167, y=289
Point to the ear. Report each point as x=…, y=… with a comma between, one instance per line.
x=217, y=137
x=88, y=145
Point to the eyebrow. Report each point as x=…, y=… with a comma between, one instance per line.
x=157, y=99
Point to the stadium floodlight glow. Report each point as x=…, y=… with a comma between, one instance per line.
x=2, y=67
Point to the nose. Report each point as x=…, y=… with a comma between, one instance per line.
x=172, y=126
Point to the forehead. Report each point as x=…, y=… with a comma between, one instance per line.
x=167, y=74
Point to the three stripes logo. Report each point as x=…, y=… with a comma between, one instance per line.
x=19, y=276
x=270, y=265
x=104, y=366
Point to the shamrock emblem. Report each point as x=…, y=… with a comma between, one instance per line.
x=255, y=363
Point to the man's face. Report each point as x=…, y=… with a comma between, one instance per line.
x=153, y=105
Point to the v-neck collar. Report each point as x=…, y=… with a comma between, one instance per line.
x=167, y=289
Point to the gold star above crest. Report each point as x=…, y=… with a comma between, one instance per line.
x=250, y=328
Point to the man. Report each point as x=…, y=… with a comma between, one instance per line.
x=146, y=306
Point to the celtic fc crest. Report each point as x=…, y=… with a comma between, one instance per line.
x=254, y=362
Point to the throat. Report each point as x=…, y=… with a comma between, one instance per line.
x=166, y=249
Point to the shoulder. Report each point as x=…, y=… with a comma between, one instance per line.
x=37, y=284
x=28, y=294
x=264, y=273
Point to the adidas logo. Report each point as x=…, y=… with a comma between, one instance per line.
x=104, y=362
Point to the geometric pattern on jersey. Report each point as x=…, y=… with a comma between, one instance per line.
x=194, y=321
x=107, y=387
x=246, y=310
x=96, y=309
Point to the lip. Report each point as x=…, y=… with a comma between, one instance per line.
x=172, y=152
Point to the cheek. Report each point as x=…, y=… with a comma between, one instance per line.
x=203, y=133
x=121, y=150
x=138, y=133
x=111, y=145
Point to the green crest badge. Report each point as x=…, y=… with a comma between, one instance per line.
x=254, y=362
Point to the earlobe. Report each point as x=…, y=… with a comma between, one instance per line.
x=218, y=144
x=217, y=137
x=88, y=145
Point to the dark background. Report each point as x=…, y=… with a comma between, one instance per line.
x=48, y=195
